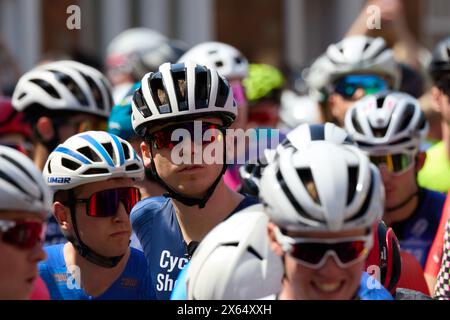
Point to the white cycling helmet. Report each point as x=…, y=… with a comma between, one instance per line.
x=322, y=187
x=141, y=50
x=22, y=186
x=306, y=133
x=206, y=94
x=387, y=122
x=297, y=109
x=251, y=173
x=64, y=86
x=227, y=60
x=89, y=157
x=234, y=261
x=354, y=54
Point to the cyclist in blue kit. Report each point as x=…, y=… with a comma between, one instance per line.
x=390, y=127
x=179, y=96
x=93, y=176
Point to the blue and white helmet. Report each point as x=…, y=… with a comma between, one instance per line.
x=91, y=156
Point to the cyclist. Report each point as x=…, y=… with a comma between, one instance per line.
x=251, y=176
x=60, y=99
x=348, y=70
x=435, y=174
x=197, y=101
x=25, y=203
x=390, y=127
x=92, y=176
x=323, y=201
x=231, y=64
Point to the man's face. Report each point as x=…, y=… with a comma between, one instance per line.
x=442, y=101
x=18, y=266
x=328, y=282
x=398, y=172
x=191, y=178
x=350, y=88
x=108, y=236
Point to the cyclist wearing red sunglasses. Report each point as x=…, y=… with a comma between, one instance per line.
x=93, y=176
x=197, y=198
x=231, y=64
x=390, y=127
x=321, y=214
x=348, y=70
x=25, y=203
x=60, y=99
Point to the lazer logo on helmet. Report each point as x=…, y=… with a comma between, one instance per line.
x=58, y=180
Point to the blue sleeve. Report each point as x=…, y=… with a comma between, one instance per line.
x=141, y=222
x=179, y=291
x=148, y=292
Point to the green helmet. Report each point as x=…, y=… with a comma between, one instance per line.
x=263, y=82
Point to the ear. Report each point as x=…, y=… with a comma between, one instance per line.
x=45, y=128
x=146, y=154
x=420, y=160
x=62, y=216
x=436, y=96
x=274, y=245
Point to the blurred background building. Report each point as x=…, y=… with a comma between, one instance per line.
x=287, y=33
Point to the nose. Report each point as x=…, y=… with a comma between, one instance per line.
x=330, y=267
x=37, y=253
x=385, y=174
x=121, y=214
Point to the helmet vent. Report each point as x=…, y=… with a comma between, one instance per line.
x=180, y=85
x=109, y=148
x=132, y=167
x=356, y=124
x=366, y=203
x=96, y=92
x=202, y=87
x=72, y=86
x=219, y=64
x=222, y=93
x=352, y=182
x=126, y=150
x=69, y=164
x=140, y=103
x=407, y=117
x=90, y=154
x=308, y=181
x=95, y=171
x=47, y=87
x=49, y=168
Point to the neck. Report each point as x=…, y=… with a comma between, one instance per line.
x=149, y=189
x=446, y=137
x=195, y=223
x=402, y=213
x=94, y=279
x=40, y=155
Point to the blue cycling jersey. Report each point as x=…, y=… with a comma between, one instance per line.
x=53, y=234
x=369, y=289
x=155, y=223
x=416, y=234
x=63, y=284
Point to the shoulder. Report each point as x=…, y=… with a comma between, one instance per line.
x=371, y=289
x=149, y=207
x=435, y=198
x=55, y=255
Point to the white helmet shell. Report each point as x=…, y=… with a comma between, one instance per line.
x=388, y=122
x=322, y=187
x=89, y=157
x=227, y=60
x=64, y=86
x=22, y=187
x=235, y=261
x=207, y=93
